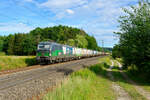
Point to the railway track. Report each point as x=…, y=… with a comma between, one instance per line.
x=12, y=81
x=53, y=68
x=51, y=72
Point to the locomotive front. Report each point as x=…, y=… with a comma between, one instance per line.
x=43, y=52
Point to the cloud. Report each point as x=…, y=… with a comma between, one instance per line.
x=14, y=28
x=62, y=7
x=28, y=0
x=104, y=10
x=63, y=4
x=69, y=11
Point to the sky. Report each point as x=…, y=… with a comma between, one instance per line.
x=97, y=17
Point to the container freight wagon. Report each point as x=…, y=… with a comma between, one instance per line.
x=51, y=52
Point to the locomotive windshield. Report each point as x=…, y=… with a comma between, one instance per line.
x=44, y=46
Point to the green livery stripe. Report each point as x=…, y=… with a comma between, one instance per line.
x=39, y=54
x=56, y=52
x=46, y=54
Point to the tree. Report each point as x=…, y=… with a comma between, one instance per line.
x=1, y=43
x=135, y=36
x=26, y=44
x=81, y=41
x=9, y=45
x=92, y=44
x=71, y=42
x=18, y=48
x=116, y=52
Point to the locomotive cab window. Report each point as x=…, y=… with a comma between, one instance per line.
x=40, y=46
x=43, y=46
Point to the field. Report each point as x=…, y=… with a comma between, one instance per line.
x=2, y=54
x=13, y=62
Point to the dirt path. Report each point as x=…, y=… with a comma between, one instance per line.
x=121, y=93
x=139, y=89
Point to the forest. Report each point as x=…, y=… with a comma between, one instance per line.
x=26, y=43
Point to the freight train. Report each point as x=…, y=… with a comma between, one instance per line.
x=51, y=52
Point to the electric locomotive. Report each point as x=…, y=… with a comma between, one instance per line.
x=51, y=52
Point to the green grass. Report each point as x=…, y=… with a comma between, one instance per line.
x=115, y=64
x=2, y=54
x=13, y=62
x=119, y=59
x=87, y=84
x=139, y=78
x=105, y=60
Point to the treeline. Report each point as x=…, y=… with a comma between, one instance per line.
x=134, y=45
x=26, y=44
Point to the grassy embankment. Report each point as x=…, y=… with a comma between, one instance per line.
x=93, y=84
x=13, y=62
x=139, y=78
x=125, y=85
x=136, y=76
x=87, y=84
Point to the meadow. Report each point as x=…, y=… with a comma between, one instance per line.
x=14, y=62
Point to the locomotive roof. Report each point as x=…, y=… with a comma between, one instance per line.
x=52, y=43
x=49, y=43
x=43, y=43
